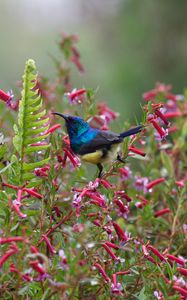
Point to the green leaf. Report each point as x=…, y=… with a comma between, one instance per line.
x=31, y=128
x=142, y=295
x=166, y=160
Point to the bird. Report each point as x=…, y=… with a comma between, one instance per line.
x=94, y=145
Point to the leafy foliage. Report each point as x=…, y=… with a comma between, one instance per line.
x=75, y=236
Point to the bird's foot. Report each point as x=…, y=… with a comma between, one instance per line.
x=100, y=167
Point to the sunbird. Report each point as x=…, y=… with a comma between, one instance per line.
x=93, y=145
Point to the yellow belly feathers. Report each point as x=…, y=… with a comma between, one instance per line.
x=96, y=157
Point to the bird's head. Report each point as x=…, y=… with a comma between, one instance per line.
x=75, y=125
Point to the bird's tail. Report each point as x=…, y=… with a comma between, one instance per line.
x=131, y=131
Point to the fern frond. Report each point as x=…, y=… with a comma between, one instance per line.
x=31, y=129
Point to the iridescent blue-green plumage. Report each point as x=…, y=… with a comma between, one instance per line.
x=94, y=145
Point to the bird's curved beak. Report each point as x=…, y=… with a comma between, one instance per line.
x=65, y=117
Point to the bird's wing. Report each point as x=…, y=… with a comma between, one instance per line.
x=102, y=140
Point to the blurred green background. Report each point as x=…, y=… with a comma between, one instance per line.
x=126, y=45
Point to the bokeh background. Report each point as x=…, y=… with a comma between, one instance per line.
x=126, y=45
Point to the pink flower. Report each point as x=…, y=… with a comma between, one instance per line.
x=158, y=295
x=63, y=263
x=7, y=98
x=141, y=183
x=116, y=287
x=125, y=173
x=42, y=172
x=108, y=114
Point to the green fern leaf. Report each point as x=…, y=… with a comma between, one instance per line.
x=31, y=131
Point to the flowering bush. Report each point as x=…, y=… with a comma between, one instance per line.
x=63, y=236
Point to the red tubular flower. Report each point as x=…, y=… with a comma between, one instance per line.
x=122, y=194
x=26, y=277
x=105, y=111
x=13, y=249
x=143, y=200
x=10, y=186
x=121, y=206
x=137, y=151
x=181, y=290
x=6, y=97
x=149, y=95
x=176, y=259
x=159, y=129
x=112, y=255
x=112, y=245
x=102, y=272
x=123, y=272
x=182, y=271
x=16, y=207
x=11, y=239
x=74, y=159
x=147, y=256
x=180, y=183
x=33, y=193
x=156, y=252
x=97, y=223
x=145, y=252
x=37, y=267
x=98, y=198
x=13, y=269
x=75, y=93
x=162, y=212
x=162, y=117
x=174, y=114
x=105, y=183
x=53, y=128
x=151, y=259
x=155, y=182
x=34, y=249
x=76, y=60
x=48, y=243
x=19, y=195
x=121, y=234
